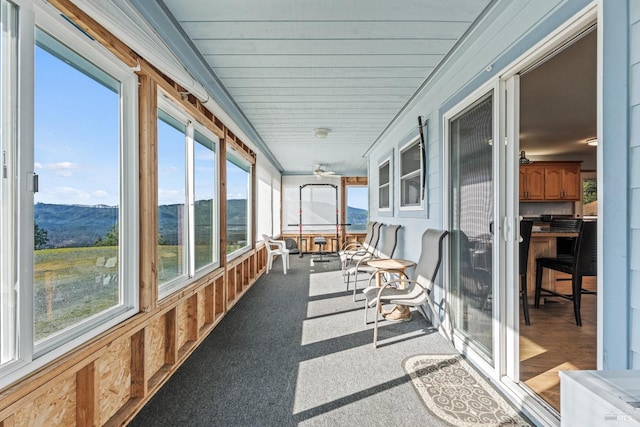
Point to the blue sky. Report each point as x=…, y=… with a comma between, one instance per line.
x=76, y=136
x=77, y=144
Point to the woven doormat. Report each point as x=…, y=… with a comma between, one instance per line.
x=453, y=391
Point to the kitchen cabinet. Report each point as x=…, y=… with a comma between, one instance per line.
x=531, y=182
x=550, y=182
x=562, y=182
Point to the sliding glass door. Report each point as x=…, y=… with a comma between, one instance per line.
x=471, y=222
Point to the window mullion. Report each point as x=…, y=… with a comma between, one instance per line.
x=190, y=201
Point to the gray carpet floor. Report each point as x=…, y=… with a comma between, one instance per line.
x=294, y=351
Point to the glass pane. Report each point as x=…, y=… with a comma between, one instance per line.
x=471, y=240
x=383, y=197
x=204, y=211
x=357, y=209
x=410, y=160
x=319, y=209
x=76, y=153
x=411, y=189
x=383, y=174
x=237, y=207
x=264, y=209
x=171, y=198
x=276, y=206
x=590, y=197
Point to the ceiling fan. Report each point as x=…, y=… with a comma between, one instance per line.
x=319, y=171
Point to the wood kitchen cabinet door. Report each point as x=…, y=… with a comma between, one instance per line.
x=553, y=183
x=531, y=182
x=571, y=182
x=562, y=182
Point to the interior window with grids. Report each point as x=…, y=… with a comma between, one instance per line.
x=384, y=185
x=411, y=175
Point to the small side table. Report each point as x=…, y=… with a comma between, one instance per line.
x=390, y=264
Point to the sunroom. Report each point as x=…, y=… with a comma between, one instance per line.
x=147, y=147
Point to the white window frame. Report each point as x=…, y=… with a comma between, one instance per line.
x=191, y=125
x=241, y=162
x=30, y=356
x=420, y=172
x=386, y=161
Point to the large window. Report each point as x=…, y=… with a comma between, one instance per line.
x=238, y=208
x=8, y=143
x=69, y=259
x=76, y=157
x=411, y=175
x=187, y=220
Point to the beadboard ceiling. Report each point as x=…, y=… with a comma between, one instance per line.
x=290, y=66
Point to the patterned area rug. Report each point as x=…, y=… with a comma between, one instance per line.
x=453, y=391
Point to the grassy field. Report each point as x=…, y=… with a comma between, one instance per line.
x=72, y=284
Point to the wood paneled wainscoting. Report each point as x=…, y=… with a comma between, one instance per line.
x=108, y=380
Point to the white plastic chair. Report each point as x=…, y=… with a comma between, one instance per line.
x=275, y=248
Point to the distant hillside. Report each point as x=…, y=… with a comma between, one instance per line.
x=74, y=225
x=78, y=225
x=358, y=218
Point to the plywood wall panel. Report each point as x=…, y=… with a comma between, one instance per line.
x=202, y=309
x=155, y=346
x=55, y=407
x=183, y=324
x=114, y=378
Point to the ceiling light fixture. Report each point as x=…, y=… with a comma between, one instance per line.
x=321, y=133
x=592, y=141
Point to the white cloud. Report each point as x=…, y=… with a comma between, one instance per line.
x=100, y=194
x=169, y=197
x=64, y=195
x=64, y=169
x=37, y=165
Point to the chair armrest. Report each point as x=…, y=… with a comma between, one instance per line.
x=366, y=259
x=348, y=244
x=352, y=247
x=281, y=244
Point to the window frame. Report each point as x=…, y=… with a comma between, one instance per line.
x=416, y=141
x=29, y=355
x=171, y=108
x=381, y=164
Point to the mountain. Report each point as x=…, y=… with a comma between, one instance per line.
x=358, y=218
x=79, y=225
x=74, y=225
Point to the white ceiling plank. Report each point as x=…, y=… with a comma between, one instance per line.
x=386, y=71
x=323, y=47
x=325, y=30
x=320, y=61
x=361, y=81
